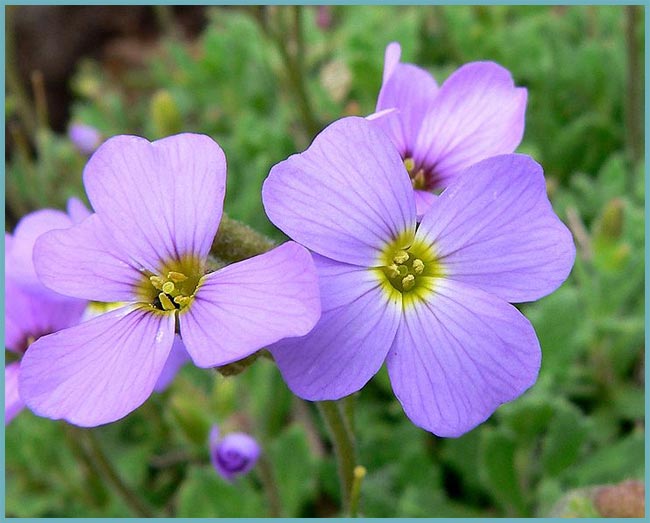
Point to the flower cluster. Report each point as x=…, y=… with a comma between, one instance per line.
x=414, y=231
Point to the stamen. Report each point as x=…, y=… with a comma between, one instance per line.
x=176, y=277
x=393, y=271
x=408, y=282
x=168, y=287
x=182, y=300
x=418, y=266
x=401, y=257
x=409, y=163
x=166, y=303
x=157, y=282
x=419, y=180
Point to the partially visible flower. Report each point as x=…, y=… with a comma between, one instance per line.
x=84, y=137
x=233, y=455
x=431, y=299
x=477, y=113
x=324, y=17
x=31, y=309
x=157, y=208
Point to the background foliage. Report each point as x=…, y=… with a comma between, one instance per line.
x=262, y=82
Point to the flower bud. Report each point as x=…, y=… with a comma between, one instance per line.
x=165, y=114
x=84, y=137
x=233, y=455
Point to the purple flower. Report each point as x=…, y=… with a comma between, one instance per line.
x=31, y=310
x=430, y=299
x=477, y=113
x=233, y=455
x=84, y=137
x=157, y=208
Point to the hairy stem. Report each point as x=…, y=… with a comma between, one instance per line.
x=344, y=447
x=270, y=486
x=235, y=241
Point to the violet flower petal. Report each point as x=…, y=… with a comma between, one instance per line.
x=411, y=90
x=84, y=261
x=13, y=403
x=18, y=259
x=77, y=210
x=178, y=357
x=351, y=340
x=98, y=371
x=477, y=113
x=460, y=355
x=495, y=229
x=31, y=312
x=345, y=195
x=161, y=200
x=247, y=305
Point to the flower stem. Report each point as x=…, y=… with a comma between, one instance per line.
x=270, y=486
x=109, y=475
x=343, y=441
x=359, y=474
x=634, y=84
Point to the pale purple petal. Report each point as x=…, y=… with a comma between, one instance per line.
x=18, y=259
x=161, y=200
x=477, y=113
x=32, y=312
x=411, y=90
x=13, y=403
x=100, y=370
x=460, y=355
x=350, y=342
x=495, y=229
x=423, y=200
x=77, y=210
x=247, y=305
x=178, y=357
x=345, y=196
x=84, y=137
x=234, y=455
x=84, y=261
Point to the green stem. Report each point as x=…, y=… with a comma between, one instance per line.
x=294, y=65
x=270, y=486
x=634, y=84
x=110, y=475
x=343, y=441
x=359, y=474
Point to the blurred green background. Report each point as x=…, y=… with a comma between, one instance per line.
x=262, y=81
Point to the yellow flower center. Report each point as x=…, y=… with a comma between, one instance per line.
x=173, y=286
x=418, y=175
x=408, y=269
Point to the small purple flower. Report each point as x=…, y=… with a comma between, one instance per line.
x=477, y=113
x=157, y=208
x=31, y=310
x=84, y=137
x=431, y=299
x=233, y=455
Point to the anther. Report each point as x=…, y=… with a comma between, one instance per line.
x=168, y=287
x=166, y=303
x=182, y=300
x=157, y=282
x=176, y=277
x=409, y=163
x=418, y=266
x=393, y=271
x=418, y=181
x=408, y=282
x=401, y=257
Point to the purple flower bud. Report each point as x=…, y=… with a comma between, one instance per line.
x=84, y=137
x=233, y=455
x=324, y=17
